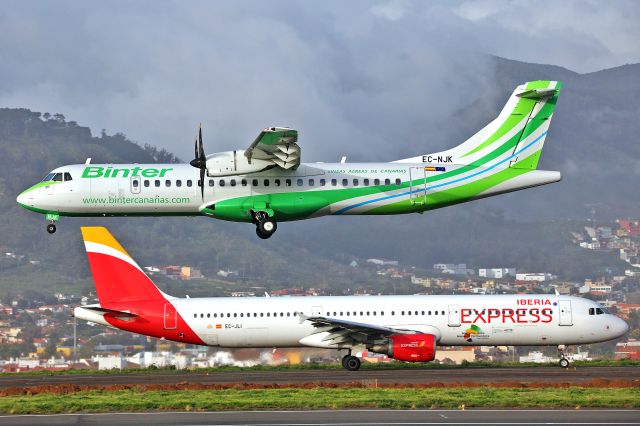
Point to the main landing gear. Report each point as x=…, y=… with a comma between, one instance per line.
x=265, y=225
x=350, y=362
x=563, y=362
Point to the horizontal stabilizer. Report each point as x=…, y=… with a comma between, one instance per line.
x=537, y=93
x=111, y=312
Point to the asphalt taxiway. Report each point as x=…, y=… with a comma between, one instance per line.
x=342, y=417
x=408, y=376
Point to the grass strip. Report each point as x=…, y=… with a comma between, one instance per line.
x=316, y=366
x=321, y=398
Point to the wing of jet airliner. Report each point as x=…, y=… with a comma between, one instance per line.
x=276, y=145
x=348, y=332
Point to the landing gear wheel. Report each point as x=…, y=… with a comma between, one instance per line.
x=344, y=361
x=260, y=234
x=351, y=363
x=266, y=227
x=564, y=363
x=51, y=228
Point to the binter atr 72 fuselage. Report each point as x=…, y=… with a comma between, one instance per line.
x=267, y=183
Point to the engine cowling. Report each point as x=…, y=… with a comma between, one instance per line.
x=408, y=347
x=231, y=163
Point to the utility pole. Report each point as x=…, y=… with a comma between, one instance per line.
x=75, y=344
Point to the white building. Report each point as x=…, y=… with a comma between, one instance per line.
x=542, y=276
x=110, y=362
x=453, y=268
x=496, y=272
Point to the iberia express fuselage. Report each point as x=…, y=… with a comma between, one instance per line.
x=407, y=328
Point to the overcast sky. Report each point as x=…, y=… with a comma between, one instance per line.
x=354, y=77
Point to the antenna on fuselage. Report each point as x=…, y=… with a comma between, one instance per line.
x=343, y=159
x=88, y=161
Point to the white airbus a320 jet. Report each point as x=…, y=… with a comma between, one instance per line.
x=406, y=328
x=266, y=183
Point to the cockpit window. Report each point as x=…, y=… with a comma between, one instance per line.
x=48, y=177
x=597, y=311
x=592, y=311
x=67, y=176
x=57, y=177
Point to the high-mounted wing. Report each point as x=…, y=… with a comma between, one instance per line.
x=332, y=332
x=277, y=145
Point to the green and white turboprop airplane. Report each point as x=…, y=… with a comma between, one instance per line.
x=266, y=183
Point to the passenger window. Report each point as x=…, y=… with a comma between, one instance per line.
x=189, y=183
x=232, y=182
x=366, y=182
x=208, y=315
x=398, y=181
x=276, y=182
x=287, y=182
x=178, y=183
x=212, y=182
x=355, y=182
x=266, y=182
x=299, y=182
x=157, y=183
x=146, y=183
x=408, y=312
x=311, y=182
x=334, y=182
x=222, y=182
x=67, y=176
x=243, y=182
x=323, y=182
x=135, y=183
x=167, y=183
x=436, y=312
x=376, y=182
x=57, y=177
x=387, y=181
x=345, y=182
x=254, y=182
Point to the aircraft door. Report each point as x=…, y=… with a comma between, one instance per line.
x=418, y=185
x=454, y=315
x=564, y=306
x=135, y=184
x=170, y=317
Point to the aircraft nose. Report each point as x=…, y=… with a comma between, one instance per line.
x=619, y=327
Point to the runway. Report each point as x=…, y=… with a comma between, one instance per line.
x=408, y=376
x=342, y=417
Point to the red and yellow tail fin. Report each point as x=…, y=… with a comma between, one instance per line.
x=117, y=277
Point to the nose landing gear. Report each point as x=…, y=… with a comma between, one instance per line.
x=51, y=228
x=563, y=362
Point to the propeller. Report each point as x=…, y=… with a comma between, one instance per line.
x=200, y=160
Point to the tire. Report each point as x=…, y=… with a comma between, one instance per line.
x=564, y=363
x=352, y=363
x=267, y=226
x=260, y=234
x=51, y=228
x=344, y=361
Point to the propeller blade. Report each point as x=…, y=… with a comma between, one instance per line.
x=202, y=182
x=200, y=145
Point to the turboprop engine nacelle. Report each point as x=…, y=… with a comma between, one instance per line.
x=408, y=347
x=231, y=163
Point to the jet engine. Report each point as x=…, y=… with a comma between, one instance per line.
x=408, y=347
